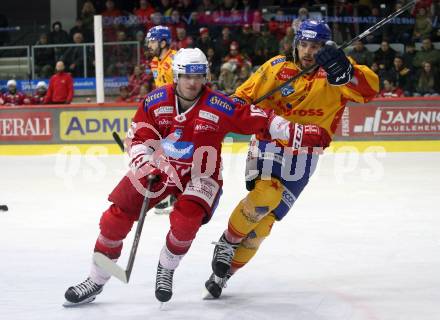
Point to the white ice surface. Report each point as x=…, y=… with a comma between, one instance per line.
x=362, y=242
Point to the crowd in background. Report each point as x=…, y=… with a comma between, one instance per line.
x=238, y=35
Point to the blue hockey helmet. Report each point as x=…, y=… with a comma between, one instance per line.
x=159, y=33
x=313, y=30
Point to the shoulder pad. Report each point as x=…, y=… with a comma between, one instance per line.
x=155, y=97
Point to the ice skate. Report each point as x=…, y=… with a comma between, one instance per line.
x=214, y=286
x=164, y=283
x=82, y=293
x=222, y=257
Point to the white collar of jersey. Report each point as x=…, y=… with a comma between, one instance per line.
x=176, y=104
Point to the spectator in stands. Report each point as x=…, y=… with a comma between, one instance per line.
x=58, y=35
x=87, y=13
x=138, y=78
x=206, y=6
x=303, y=14
x=74, y=57
x=223, y=44
x=214, y=62
x=183, y=40
x=60, y=89
x=246, y=40
x=124, y=95
x=384, y=56
x=143, y=91
x=266, y=46
x=144, y=11
x=374, y=37
x=12, y=97
x=423, y=25
x=235, y=57
x=286, y=42
x=401, y=76
x=204, y=41
x=44, y=58
x=173, y=22
x=79, y=28
x=435, y=35
x=409, y=55
x=390, y=90
x=360, y=54
x=427, y=83
x=40, y=93
x=227, y=80
x=166, y=7
x=121, y=57
x=111, y=10
x=243, y=74
x=428, y=53
x=401, y=32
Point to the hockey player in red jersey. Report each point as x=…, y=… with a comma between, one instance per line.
x=13, y=97
x=40, y=93
x=176, y=136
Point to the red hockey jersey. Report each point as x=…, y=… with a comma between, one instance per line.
x=191, y=141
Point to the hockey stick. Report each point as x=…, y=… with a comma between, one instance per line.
x=111, y=267
x=343, y=46
x=118, y=140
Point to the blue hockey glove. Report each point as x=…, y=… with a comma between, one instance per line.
x=336, y=64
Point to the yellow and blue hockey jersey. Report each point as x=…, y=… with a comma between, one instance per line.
x=162, y=69
x=310, y=99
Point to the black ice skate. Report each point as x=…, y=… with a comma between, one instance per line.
x=215, y=285
x=222, y=258
x=164, y=283
x=82, y=293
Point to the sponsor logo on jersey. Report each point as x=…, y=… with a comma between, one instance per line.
x=238, y=100
x=278, y=60
x=221, y=104
x=155, y=74
x=286, y=91
x=209, y=116
x=203, y=126
x=286, y=74
x=306, y=112
x=163, y=122
x=163, y=110
x=288, y=198
x=155, y=97
x=177, y=149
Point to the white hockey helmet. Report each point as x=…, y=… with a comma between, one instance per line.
x=190, y=61
x=41, y=84
x=11, y=83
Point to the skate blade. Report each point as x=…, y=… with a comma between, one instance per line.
x=163, y=306
x=206, y=295
x=68, y=304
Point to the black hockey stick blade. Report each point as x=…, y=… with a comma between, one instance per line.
x=118, y=140
x=110, y=267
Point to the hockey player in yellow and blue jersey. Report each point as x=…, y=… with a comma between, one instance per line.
x=158, y=41
x=275, y=176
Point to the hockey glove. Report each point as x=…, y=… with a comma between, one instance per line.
x=143, y=165
x=336, y=64
x=299, y=136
